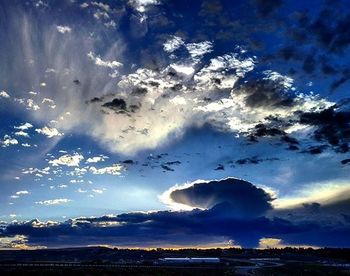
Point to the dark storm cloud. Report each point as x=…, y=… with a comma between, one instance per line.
x=128, y=161
x=116, y=105
x=149, y=229
x=96, y=100
x=254, y=160
x=220, y=167
x=332, y=126
x=241, y=198
x=183, y=227
x=315, y=149
x=261, y=130
x=345, y=161
x=265, y=92
x=167, y=168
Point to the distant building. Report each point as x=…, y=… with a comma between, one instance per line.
x=189, y=260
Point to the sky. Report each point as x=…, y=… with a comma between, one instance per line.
x=159, y=123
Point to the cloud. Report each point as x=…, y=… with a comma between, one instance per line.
x=307, y=223
x=97, y=191
x=142, y=5
x=26, y=145
x=57, y=201
x=67, y=160
x=22, y=133
x=118, y=105
x=102, y=6
x=49, y=131
x=8, y=141
x=173, y=44
x=63, y=29
x=191, y=84
x=24, y=126
x=4, y=94
x=115, y=169
x=95, y=159
x=332, y=126
x=49, y=102
x=32, y=105
x=24, y=192
x=104, y=63
x=240, y=198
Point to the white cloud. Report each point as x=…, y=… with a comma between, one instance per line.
x=49, y=102
x=183, y=68
x=110, y=24
x=102, y=6
x=57, y=201
x=26, y=145
x=24, y=126
x=32, y=105
x=95, y=159
x=24, y=192
x=197, y=50
x=22, y=133
x=62, y=186
x=49, y=131
x=142, y=5
x=4, y=94
x=173, y=44
x=68, y=160
x=101, y=14
x=8, y=141
x=84, y=5
x=97, y=191
x=178, y=100
x=63, y=29
x=104, y=63
x=115, y=169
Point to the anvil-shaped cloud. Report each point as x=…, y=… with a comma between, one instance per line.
x=219, y=222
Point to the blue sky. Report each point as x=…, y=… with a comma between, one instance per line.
x=108, y=109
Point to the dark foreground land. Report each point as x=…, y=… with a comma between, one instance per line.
x=108, y=261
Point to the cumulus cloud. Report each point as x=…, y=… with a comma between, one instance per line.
x=104, y=63
x=8, y=141
x=191, y=86
x=32, y=105
x=22, y=133
x=24, y=192
x=4, y=94
x=57, y=201
x=173, y=44
x=237, y=197
x=63, y=29
x=262, y=227
x=24, y=126
x=95, y=159
x=115, y=169
x=67, y=160
x=142, y=5
x=49, y=131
